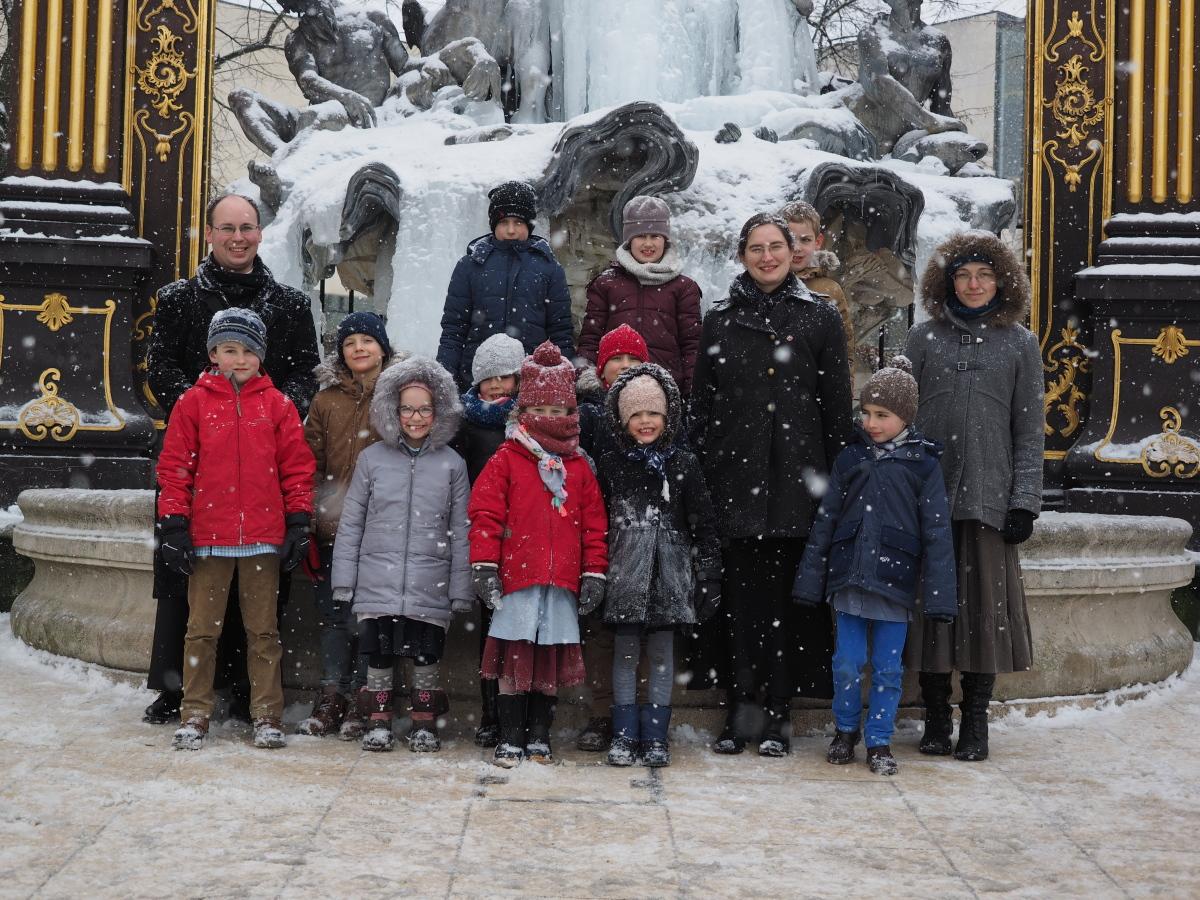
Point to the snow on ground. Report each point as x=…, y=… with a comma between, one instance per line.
x=1100, y=803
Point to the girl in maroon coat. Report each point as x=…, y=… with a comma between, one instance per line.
x=538, y=555
x=643, y=288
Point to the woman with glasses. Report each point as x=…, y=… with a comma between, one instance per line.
x=771, y=411
x=980, y=375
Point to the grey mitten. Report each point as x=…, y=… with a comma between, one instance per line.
x=591, y=593
x=486, y=581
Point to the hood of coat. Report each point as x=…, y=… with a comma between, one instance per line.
x=482, y=247
x=385, y=405
x=1013, y=285
x=823, y=263
x=331, y=370
x=588, y=386
x=674, y=404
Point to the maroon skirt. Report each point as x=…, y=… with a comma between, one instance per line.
x=523, y=666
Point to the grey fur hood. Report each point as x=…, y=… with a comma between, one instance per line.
x=1013, y=286
x=674, y=403
x=824, y=262
x=385, y=405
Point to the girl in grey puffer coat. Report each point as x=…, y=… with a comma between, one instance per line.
x=401, y=552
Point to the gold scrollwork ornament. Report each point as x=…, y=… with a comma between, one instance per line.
x=1170, y=453
x=1170, y=344
x=165, y=75
x=55, y=311
x=1066, y=360
x=49, y=414
x=1074, y=106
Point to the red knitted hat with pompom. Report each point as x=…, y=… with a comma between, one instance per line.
x=547, y=379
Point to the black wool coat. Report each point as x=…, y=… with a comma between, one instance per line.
x=660, y=542
x=770, y=406
x=178, y=350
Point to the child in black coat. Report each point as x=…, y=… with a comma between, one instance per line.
x=664, y=554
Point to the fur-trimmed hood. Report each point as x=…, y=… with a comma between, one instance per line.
x=674, y=403
x=588, y=386
x=821, y=264
x=331, y=370
x=385, y=405
x=1013, y=286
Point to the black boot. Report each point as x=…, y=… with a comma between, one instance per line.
x=488, y=732
x=738, y=727
x=973, y=727
x=935, y=693
x=164, y=709
x=775, y=737
x=540, y=718
x=511, y=710
x=841, y=748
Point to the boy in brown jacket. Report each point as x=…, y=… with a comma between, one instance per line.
x=338, y=429
x=812, y=264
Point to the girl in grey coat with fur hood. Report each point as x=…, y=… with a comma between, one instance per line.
x=401, y=553
x=980, y=375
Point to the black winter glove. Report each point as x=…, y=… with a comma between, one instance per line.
x=591, y=593
x=486, y=582
x=1018, y=526
x=175, y=544
x=296, y=541
x=706, y=599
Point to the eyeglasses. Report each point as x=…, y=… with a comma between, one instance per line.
x=409, y=412
x=231, y=230
x=961, y=277
x=758, y=249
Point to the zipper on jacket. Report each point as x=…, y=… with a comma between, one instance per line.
x=412, y=474
x=237, y=402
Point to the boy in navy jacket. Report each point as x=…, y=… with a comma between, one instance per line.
x=882, y=535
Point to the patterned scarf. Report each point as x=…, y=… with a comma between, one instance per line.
x=655, y=459
x=550, y=465
x=480, y=412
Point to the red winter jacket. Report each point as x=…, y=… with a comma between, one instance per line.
x=666, y=315
x=235, y=463
x=513, y=523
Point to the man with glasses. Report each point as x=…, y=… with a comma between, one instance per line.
x=232, y=275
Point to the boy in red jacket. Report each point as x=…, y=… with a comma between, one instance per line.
x=538, y=555
x=235, y=477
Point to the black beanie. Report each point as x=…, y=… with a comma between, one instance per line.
x=364, y=323
x=513, y=198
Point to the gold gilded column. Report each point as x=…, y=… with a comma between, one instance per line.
x=1162, y=96
x=101, y=123
x=1137, y=89
x=54, y=23
x=1185, y=131
x=29, y=23
x=79, y=78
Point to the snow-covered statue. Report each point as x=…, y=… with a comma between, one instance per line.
x=904, y=89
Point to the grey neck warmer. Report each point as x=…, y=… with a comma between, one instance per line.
x=651, y=273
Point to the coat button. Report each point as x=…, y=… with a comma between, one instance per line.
x=771, y=371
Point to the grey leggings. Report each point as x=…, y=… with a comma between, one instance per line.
x=627, y=648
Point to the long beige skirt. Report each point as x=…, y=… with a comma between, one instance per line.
x=991, y=633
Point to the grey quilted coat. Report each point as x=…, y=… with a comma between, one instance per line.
x=659, y=546
x=981, y=388
x=402, y=541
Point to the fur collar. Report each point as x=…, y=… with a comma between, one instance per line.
x=657, y=273
x=385, y=405
x=823, y=264
x=674, y=404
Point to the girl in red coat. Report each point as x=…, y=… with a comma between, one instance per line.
x=236, y=484
x=538, y=555
x=643, y=288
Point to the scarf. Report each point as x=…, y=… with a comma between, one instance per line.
x=966, y=313
x=654, y=458
x=483, y=414
x=654, y=273
x=888, y=446
x=238, y=288
x=558, y=434
x=549, y=465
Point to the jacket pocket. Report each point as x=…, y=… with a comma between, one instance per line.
x=841, y=550
x=899, y=555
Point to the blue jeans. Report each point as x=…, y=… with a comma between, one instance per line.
x=341, y=666
x=887, y=668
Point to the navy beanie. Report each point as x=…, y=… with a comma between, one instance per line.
x=364, y=323
x=513, y=198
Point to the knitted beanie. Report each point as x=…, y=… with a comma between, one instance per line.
x=621, y=339
x=645, y=215
x=364, y=323
x=641, y=394
x=241, y=325
x=513, y=198
x=893, y=388
x=499, y=355
x=547, y=379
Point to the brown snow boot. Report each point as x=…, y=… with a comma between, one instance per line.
x=379, y=737
x=426, y=707
x=327, y=715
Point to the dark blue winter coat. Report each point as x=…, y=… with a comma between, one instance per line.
x=884, y=526
x=516, y=287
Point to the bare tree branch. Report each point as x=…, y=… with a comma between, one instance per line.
x=263, y=43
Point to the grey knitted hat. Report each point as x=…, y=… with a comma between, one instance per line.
x=645, y=215
x=498, y=355
x=241, y=325
x=893, y=388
